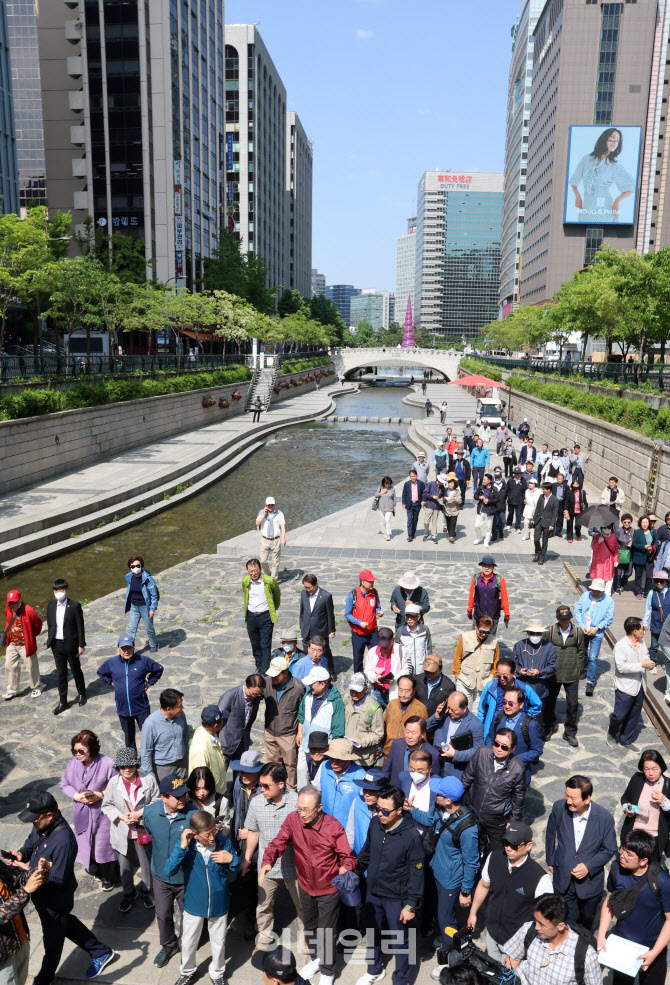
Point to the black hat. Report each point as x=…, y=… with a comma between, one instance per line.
x=518, y=833
x=278, y=963
x=563, y=612
x=317, y=740
x=38, y=804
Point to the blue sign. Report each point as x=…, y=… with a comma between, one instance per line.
x=229, y=192
x=601, y=180
x=229, y=152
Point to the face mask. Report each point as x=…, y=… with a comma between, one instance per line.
x=417, y=777
x=554, y=460
x=60, y=596
x=288, y=647
x=136, y=569
x=535, y=639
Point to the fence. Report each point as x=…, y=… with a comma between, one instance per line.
x=26, y=366
x=621, y=373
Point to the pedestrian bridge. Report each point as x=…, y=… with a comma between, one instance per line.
x=441, y=361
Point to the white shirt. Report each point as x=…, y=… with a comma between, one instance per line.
x=579, y=826
x=312, y=599
x=565, y=632
x=272, y=524
x=60, y=616
x=205, y=852
x=545, y=885
x=257, y=599
x=421, y=794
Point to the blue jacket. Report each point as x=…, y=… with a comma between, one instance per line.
x=149, y=590
x=453, y=868
x=603, y=614
x=526, y=753
x=480, y=458
x=206, y=893
x=164, y=836
x=362, y=818
x=407, y=493
x=130, y=678
x=468, y=723
x=432, y=489
x=337, y=798
x=395, y=761
x=490, y=701
x=542, y=658
x=597, y=848
x=657, y=603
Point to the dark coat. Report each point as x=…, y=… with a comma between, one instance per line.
x=394, y=861
x=418, y=595
x=527, y=454
x=516, y=492
x=467, y=471
x=319, y=621
x=541, y=658
x=437, y=695
x=495, y=795
x=569, y=653
x=597, y=848
x=59, y=846
x=235, y=736
x=546, y=516
x=282, y=718
x=502, y=497
x=639, y=553
x=490, y=508
x=631, y=795
x=395, y=761
x=407, y=493
x=468, y=723
x=569, y=501
x=73, y=625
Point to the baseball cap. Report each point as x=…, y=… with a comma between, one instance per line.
x=14, y=595
x=270, y=501
x=517, y=470
x=317, y=740
x=518, y=833
x=277, y=666
x=358, y=682
x=366, y=575
x=412, y=607
x=278, y=963
x=447, y=786
x=374, y=779
x=564, y=612
x=385, y=635
x=316, y=674
x=173, y=784
x=211, y=714
x=39, y=803
x=126, y=640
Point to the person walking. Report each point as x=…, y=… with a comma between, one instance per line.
x=480, y=460
x=544, y=521
x=488, y=594
x=141, y=600
x=362, y=610
x=528, y=453
x=648, y=789
x=66, y=638
x=487, y=507
x=412, y=494
x=509, y=458
x=164, y=737
x=409, y=589
x=613, y=496
x=394, y=858
x=385, y=499
x=321, y=710
x=384, y=665
x=421, y=467
x=645, y=545
x=414, y=639
x=524, y=429
x=495, y=781
x=468, y=440
x=462, y=471
x=631, y=661
x=476, y=659
x=272, y=526
x=536, y=660
x=485, y=433
x=205, y=748
x=502, y=434
x=443, y=412
x=317, y=616
x=334, y=779
x=428, y=406
x=14, y=931
x=605, y=557
x=257, y=408
x=262, y=597
x=579, y=843
x=656, y=608
x=551, y=470
x=568, y=641
x=441, y=458
x=531, y=498
x=513, y=716
x=432, y=502
x=126, y=795
x=453, y=502
x=364, y=721
x=321, y=852
x=491, y=699
x=500, y=488
x=594, y=612
x=240, y=706
x=283, y=697
x=624, y=569
x=22, y=627
x=561, y=493
x=50, y=850
x=459, y=733
x=130, y=675
x=574, y=505
x=516, y=492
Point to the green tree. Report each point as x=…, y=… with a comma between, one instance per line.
x=365, y=334
x=323, y=309
x=70, y=285
x=232, y=271
x=292, y=302
x=188, y=311
x=121, y=253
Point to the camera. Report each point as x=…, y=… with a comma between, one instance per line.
x=465, y=951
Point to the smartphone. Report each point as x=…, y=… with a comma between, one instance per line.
x=7, y=854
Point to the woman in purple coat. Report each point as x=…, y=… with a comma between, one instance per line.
x=85, y=779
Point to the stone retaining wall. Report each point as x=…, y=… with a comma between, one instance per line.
x=34, y=449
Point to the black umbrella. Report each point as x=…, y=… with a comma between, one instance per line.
x=599, y=516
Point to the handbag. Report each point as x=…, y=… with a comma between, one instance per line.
x=624, y=555
x=5, y=634
x=375, y=503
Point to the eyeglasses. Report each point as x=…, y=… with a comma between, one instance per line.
x=624, y=853
x=508, y=702
x=384, y=812
x=306, y=810
x=81, y=752
x=266, y=786
x=499, y=745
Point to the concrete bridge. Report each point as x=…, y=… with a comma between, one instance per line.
x=441, y=361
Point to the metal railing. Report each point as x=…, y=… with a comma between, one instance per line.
x=77, y=366
x=657, y=375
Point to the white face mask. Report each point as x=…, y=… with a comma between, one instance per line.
x=555, y=460
x=417, y=777
x=288, y=647
x=535, y=639
x=136, y=569
x=59, y=596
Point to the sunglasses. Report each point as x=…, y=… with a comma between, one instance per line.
x=384, y=812
x=499, y=745
x=509, y=702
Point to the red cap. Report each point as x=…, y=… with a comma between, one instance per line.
x=367, y=576
x=14, y=595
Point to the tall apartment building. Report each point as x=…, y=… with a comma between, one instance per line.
x=133, y=122
x=405, y=269
x=341, y=295
x=603, y=66
x=459, y=219
x=299, y=188
x=27, y=97
x=375, y=307
x=516, y=151
x=318, y=283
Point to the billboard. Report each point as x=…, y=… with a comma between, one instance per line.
x=601, y=180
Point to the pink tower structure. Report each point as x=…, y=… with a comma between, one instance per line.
x=408, y=331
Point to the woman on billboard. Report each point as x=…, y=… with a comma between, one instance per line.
x=597, y=172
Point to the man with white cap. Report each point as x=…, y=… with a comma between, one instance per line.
x=322, y=710
x=421, y=466
x=409, y=589
x=524, y=429
x=272, y=525
x=656, y=608
x=363, y=720
x=594, y=612
x=335, y=779
x=283, y=696
x=414, y=638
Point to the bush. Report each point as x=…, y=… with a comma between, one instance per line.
x=484, y=369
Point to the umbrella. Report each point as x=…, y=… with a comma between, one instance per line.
x=475, y=381
x=599, y=516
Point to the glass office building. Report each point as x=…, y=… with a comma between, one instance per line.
x=9, y=183
x=458, y=239
x=341, y=295
x=27, y=96
x=405, y=270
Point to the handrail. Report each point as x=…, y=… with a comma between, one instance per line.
x=622, y=373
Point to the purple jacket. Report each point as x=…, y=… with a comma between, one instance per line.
x=91, y=826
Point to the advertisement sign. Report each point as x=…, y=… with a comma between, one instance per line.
x=229, y=192
x=601, y=180
x=178, y=232
x=179, y=263
x=229, y=152
x=177, y=172
x=177, y=201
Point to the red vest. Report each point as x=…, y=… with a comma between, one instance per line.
x=365, y=609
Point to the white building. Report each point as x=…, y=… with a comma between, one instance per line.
x=299, y=188
x=405, y=270
x=375, y=307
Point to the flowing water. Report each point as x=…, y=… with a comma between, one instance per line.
x=312, y=469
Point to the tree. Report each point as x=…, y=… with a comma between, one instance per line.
x=121, y=253
x=322, y=309
x=292, y=302
x=188, y=311
x=70, y=285
x=365, y=334
x=232, y=271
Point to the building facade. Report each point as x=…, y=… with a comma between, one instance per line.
x=299, y=189
x=341, y=295
x=458, y=238
x=602, y=65
x=318, y=283
x=27, y=98
x=133, y=122
x=405, y=269
x=516, y=151
x=375, y=307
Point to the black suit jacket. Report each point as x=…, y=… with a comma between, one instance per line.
x=73, y=625
x=319, y=621
x=546, y=516
x=437, y=695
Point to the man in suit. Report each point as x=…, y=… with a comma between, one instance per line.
x=399, y=753
x=453, y=717
x=66, y=637
x=580, y=841
x=412, y=494
x=317, y=616
x=432, y=686
x=544, y=521
x=528, y=453
x=240, y=705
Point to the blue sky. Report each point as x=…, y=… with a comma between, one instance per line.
x=387, y=89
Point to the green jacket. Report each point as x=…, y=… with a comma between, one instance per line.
x=272, y=594
x=570, y=654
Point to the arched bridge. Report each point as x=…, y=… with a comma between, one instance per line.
x=443, y=362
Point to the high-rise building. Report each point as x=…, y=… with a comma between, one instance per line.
x=459, y=218
x=597, y=155
x=299, y=188
x=133, y=122
x=341, y=295
x=405, y=268
x=9, y=179
x=375, y=307
x=27, y=97
x=516, y=151
x=318, y=283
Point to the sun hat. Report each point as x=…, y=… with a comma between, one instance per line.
x=535, y=625
x=341, y=749
x=409, y=580
x=126, y=756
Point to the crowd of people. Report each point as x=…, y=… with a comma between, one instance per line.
x=390, y=810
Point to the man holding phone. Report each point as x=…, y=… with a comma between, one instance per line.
x=272, y=525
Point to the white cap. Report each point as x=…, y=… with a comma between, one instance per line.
x=421, y=454
x=526, y=420
x=468, y=422
x=316, y=674
x=598, y=584
x=413, y=609
x=270, y=500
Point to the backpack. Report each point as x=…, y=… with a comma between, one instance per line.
x=586, y=940
x=374, y=592
x=497, y=578
x=525, y=727
x=431, y=836
x=622, y=901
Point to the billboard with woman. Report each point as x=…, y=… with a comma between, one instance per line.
x=601, y=184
